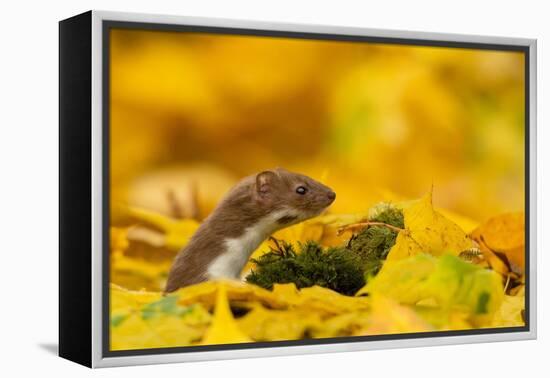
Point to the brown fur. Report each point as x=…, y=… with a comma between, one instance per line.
x=252, y=199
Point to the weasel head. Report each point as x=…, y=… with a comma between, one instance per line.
x=293, y=196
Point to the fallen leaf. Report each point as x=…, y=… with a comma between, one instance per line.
x=141, y=320
x=333, y=222
x=224, y=328
x=124, y=299
x=261, y=324
x=206, y=293
x=163, y=332
x=451, y=282
x=402, y=279
x=503, y=235
x=177, y=232
x=427, y=231
x=326, y=301
x=137, y=273
x=510, y=313
x=345, y=324
x=389, y=317
x=465, y=223
x=444, y=319
x=119, y=240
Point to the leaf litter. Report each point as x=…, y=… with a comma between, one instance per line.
x=401, y=268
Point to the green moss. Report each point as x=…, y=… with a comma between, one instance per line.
x=338, y=269
x=372, y=244
x=344, y=269
x=389, y=214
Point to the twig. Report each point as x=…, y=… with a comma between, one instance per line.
x=361, y=225
x=174, y=204
x=276, y=242
x=507, y=282
x=188, y=208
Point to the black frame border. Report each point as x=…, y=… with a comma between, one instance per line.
x=75, y=193
x=107, y=25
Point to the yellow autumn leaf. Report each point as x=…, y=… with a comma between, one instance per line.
x=465, y=223
x=174, y=331
x=444, y=319
x=333, y=222
x=520, y=289
x=118, y=240
x=345, y=324
x=133, y=333
x=206, y=294
x=177, y=232
x=224, y=328
x=123, y=299
x=511, y=312
x=140, y=266
x=402, y=279
x=453, y=284
x=301, y=232
x=138, y=273
x=162, y=332
x=261, y=324
x=328, y=302
x=389, y=317
x=318, y=299
x=427, y=231
x=142, y=319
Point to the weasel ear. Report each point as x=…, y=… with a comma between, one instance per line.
x=264, y=182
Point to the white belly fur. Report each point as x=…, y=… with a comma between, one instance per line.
x=238, y=250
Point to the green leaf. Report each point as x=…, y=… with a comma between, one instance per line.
x=167, y=305
x=117, y=320
x=453, y=283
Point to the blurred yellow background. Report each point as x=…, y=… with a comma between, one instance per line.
x=192, y=113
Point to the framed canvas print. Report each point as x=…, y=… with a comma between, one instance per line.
x=235, y=188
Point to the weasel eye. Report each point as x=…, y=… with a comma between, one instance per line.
x=301, y=190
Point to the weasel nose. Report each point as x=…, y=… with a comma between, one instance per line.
x=331, y=195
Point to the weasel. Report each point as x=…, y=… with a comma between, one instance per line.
x=251, y=211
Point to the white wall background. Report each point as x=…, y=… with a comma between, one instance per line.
x=28, y=198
